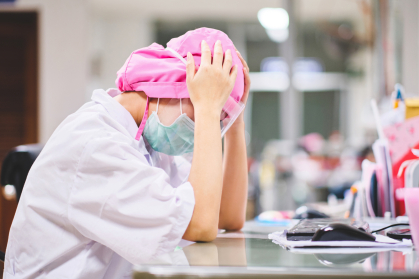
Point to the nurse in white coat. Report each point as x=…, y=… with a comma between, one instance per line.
x=95, y=203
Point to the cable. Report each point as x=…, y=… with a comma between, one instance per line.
x=394, y=225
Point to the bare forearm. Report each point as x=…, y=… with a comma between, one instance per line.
x=206, y=176
x=234, y=195
x=209, y=88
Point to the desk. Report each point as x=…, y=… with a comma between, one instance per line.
x=250, y=254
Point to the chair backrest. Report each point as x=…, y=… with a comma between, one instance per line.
x=16, y=166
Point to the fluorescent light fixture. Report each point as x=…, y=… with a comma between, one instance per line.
x=277, y=35
x=273, y=18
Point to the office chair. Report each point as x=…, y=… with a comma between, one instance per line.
x=17, y=164
x=15, y=169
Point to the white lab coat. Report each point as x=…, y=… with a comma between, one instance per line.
x=93, y=203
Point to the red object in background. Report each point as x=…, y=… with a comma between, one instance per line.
x=402, y=138
x=398, y=182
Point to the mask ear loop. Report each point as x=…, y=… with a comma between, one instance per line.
x=181, y=112
x=157, y=108
x=143, y=121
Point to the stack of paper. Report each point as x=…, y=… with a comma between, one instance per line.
x=381, y=243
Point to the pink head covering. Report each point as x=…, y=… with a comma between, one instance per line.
x=161, y=73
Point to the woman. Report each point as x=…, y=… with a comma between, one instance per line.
x=111, y=188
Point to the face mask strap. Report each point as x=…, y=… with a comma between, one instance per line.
x=157, y=108
x=143, y=121
x=175, y=53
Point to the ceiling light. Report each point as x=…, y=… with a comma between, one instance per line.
x=273, y=18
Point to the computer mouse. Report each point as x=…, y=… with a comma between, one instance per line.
x=340, y=232
x=304, y=212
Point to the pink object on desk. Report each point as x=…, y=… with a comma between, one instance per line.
x=411, y=198
x=402, y=139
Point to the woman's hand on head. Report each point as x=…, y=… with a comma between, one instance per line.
x=210, y=86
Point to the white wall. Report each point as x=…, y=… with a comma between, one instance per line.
x=112, y=39
x=184, y=9
x=410, y=51
x=62, y=58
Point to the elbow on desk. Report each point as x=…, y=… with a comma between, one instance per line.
x=201, y=233
x=232, y=225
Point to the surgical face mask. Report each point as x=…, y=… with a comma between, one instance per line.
x=175, y=139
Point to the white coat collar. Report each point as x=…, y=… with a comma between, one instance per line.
x=118, y=112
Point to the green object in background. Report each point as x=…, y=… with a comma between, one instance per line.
x=265, y=119
x=321, y=112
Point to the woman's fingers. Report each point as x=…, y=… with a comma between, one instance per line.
x=246, y=86
x=190, y=67
x=218, y=54
x=228, y=61
x=213, y=82
x=246, y=79
x=205, y=54
x=233, y=76
x=242, y=60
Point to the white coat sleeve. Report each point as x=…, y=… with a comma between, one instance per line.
x=122, y=202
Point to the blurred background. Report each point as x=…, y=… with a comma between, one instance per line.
x=315, y=65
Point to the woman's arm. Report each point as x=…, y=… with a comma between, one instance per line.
x=209, y=89
x=234, y=196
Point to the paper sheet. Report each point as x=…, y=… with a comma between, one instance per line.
x=356, y=250
x=381, y=241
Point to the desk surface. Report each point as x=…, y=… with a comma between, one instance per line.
x=251, y=255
